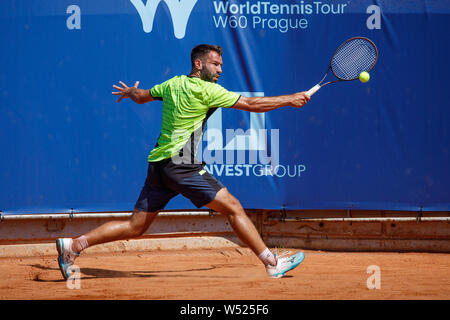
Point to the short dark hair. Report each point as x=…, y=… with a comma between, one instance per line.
x=200, y=51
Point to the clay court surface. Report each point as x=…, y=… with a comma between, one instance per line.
x=232, y=273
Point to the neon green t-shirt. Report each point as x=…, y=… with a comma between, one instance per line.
x=187, y=104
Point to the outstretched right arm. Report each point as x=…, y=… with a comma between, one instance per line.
x=265, y=104
x=137, y=95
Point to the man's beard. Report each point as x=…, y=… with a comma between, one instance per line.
x=208, y=76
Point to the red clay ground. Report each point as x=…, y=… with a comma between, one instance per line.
x=234, y=274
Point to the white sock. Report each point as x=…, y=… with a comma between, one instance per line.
x=267, y=257
x=79, y=244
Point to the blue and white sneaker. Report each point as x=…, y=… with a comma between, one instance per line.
x=285, y=263
x=66, y=256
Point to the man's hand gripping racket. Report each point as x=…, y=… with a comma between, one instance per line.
x=352, y=57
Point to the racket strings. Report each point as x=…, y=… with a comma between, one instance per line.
x=352, y=58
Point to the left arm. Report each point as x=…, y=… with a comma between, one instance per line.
x=137, y=95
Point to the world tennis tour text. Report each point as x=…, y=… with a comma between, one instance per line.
x=256, y=15
x=282, y=25
x=267, y=7
x=226, y=309
x=271, y=15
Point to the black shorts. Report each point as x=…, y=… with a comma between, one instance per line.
x=166, y=179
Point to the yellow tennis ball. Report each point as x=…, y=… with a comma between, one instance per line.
x=364, y=76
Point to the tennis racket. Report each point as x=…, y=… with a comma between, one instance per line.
x=352, y=57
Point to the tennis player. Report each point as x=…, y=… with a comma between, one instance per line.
x=188, y=102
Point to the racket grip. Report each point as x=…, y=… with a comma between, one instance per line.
x=313, y=90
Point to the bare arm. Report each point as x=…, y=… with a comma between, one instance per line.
x=137, y=95
x=264, y=104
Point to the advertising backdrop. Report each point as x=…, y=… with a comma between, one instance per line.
x=382, y=145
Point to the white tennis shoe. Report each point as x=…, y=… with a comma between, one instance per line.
x=284, y=264
x=66, y=256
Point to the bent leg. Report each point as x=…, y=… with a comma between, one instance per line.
x=244, y=228
x=135, y=226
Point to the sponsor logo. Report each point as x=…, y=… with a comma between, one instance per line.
x=180, y=11
x=244, y=153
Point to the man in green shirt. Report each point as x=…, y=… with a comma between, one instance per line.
x=188, y=102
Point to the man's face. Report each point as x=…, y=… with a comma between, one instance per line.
x=211, y=67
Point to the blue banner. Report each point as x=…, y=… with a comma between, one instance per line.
x=382, y=145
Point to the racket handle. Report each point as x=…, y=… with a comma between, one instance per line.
x=313, y=90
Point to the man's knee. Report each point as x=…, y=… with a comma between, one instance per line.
x=234, y=202
x=226, y=203
x=140, y=221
